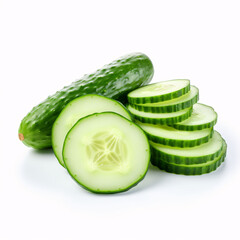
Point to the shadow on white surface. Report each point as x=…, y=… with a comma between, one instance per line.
x=40, y=169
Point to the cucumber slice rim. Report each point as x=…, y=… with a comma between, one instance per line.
x=160, y=118
x=185, y=101
x=193, y=169
x=159, y=134
x=160, y=97
x=167, y=153
x=199, y=126
x=108, y=191
x=66, y=109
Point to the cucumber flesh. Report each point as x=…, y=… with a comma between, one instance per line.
x=173, y=105
x=79, y=108
x=193, y=155
x=194, y=169
x=100, y=153
x=158, y=92
x=160, y=118
x=172, y=137
x=203, y=116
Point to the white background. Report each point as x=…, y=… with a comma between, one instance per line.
x=45, y=45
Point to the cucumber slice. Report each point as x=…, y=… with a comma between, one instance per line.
x=76, y=109
x=203, y=116
x=173, y=105
x=194, y=169
x=172, y=137
x=194, y=155
x=160, y=118
x=100, y=153
x=158, y=92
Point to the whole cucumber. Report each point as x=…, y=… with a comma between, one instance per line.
x=114, y=80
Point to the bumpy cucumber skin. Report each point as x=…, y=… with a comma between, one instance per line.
x=117, y=190
x=154, y=99
x=177, y=142
x=164, y=121
x=114, y=80
x=187, y=169
x=167, y=109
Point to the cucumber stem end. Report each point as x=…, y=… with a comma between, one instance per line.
x=20, y=136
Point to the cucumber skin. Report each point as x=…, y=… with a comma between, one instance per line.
x=167, y=109
x=154, y=99
x=164, y=121
x=175, y=159
x=114, y=80
x=179, y=143
x=181, y=169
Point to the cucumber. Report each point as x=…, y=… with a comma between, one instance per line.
x=114, y=80
x=194, y=169
x=76, y=109
x=203, y=116
x=158, y=92
x=173, y=105
x=160, y=118
x=100, y=153
x=194, y=155
x=172, y=137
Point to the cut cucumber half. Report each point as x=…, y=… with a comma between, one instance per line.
x=106, y=153
x=160, y=118
x=194, y=155
x=160, y=91
x=76, y=109
x=173, y=105
x=194, y=169
x=172, y=137
x=203, y=116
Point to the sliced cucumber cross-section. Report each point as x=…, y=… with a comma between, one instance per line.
x=100, y=153
x=177, y=138
x=193, y=169
x=193, y=155
x=203, y=116
x=160, y=91
x=173, y=105
x=76, y=109
x=160, y=118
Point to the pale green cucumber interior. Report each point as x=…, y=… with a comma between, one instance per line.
x=79, y=108
x=161, y=88
x=157, y=115
x=212, y=146
x=167, y=132
x=201, y=114
x=186, y=97
x=106, y=153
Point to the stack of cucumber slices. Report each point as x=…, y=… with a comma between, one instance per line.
x=179, y=129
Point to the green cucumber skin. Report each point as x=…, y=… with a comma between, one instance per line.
x=183, y=127
x=179, y=143
x=115, y=191
x=154, y=99
x=114, y=80
x=167, y=109
x=194, y=127
x=180, y=169
x=164, y=121
x=174, y=159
